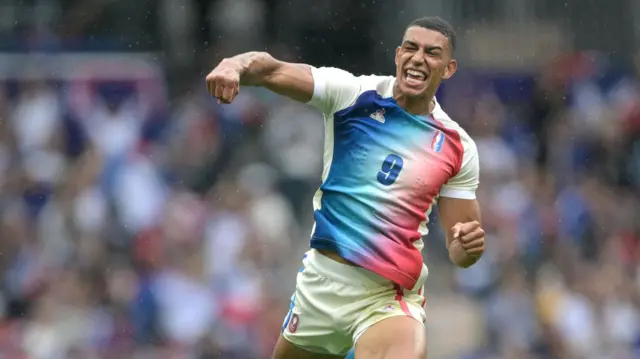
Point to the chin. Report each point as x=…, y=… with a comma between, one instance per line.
x=412, y=92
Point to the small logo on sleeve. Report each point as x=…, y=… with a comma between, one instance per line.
x=293, y=323
x=378, y=115
x=438, y=141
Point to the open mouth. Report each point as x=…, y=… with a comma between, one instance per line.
x=415, y=77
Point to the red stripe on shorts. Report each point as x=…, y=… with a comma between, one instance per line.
x=399, y=298
x=424, y=301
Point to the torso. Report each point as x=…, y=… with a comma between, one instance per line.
x=383, y=171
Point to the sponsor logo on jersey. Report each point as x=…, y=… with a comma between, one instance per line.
x=438, y=141
x=378, y=115
x=388, y=308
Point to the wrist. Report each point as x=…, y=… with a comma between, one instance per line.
x=252, y=67
x=233, y=63
x=461, y=258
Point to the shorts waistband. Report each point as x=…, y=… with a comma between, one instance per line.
x=343, y=273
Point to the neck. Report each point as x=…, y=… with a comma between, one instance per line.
x=422, y=105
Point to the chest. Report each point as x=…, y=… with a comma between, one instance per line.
x=399, y=150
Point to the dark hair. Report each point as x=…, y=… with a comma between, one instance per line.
x=436, y=23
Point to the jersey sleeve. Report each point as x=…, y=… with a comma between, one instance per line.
x=464, y=184
x=333, y=89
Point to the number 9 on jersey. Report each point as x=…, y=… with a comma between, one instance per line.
x=391, y=167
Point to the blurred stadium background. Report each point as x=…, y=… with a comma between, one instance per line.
x=139, y=219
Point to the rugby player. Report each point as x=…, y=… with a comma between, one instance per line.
x=390, y=154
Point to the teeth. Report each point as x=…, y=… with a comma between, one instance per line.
x=416, y=74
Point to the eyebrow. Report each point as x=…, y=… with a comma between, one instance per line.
x=409, y=42
x=429, y=48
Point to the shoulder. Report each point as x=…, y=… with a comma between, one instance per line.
x=466, y=175
x=463, y=149
x=336, y=89
x=335, y=75
x=382, y=85
x=454, y=129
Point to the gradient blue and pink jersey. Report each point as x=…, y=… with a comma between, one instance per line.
x=383, y=170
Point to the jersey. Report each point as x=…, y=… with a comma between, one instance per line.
x=383, y=170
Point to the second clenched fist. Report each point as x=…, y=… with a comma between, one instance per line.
x=470, y=236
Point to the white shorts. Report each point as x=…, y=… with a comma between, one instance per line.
x=335, y=303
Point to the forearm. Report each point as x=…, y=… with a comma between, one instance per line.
x=254, y=67
x=261, y=69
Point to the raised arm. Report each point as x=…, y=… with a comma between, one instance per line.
x=326, y=88
x=260, y=69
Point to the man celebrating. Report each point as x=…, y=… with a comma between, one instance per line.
x=390, y=153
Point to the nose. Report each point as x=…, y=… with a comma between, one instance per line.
x=418, y=57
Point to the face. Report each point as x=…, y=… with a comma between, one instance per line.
x=423, y=61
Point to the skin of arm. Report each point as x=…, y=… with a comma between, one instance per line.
x=261, y=69
x=465, y=238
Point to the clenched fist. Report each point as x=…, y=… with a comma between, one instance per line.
x=223, y=82
x=467, y=244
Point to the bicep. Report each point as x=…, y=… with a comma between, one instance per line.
x=291, y=80
x=326, y=88
x=454, y=210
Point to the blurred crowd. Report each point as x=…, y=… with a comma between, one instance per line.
x=133, y=229
x=140, y=228
x=559, y=192
x=139, y=225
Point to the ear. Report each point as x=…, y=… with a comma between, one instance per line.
x=397, y=55
x=451, y=68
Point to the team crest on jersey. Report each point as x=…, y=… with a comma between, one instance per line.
x=378, y=115
x=438, y=141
